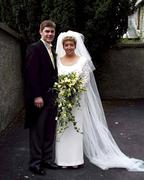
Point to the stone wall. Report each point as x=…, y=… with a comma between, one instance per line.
x=120, y=75
x=11, y=88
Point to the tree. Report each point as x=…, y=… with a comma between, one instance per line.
x=47, y=8
x=34, y=12
x=19, y=15
x=102, y=22
x=6, y=12
x=64, y=14
x=0, y=10
x=106, y=22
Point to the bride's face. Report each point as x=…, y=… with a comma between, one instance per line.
x=69, y=47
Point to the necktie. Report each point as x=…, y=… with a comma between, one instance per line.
x=51, y=55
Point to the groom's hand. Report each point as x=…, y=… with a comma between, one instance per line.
x=38, y=102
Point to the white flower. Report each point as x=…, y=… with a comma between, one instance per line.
x=69, y=88
x=56, y=118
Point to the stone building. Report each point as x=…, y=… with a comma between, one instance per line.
x=136, y=22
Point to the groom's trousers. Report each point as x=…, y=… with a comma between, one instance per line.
x=42, y=137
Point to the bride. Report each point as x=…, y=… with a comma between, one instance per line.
x=96, y=141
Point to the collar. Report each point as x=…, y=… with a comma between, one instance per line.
x=49, y=46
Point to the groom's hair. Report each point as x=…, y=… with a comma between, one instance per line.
x=47, y=23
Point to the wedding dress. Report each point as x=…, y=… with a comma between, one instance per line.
x=97, y=141
x=69, y=145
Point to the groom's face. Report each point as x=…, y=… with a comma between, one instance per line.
x=48, y=34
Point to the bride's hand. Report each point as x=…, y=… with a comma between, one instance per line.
x=38, y=102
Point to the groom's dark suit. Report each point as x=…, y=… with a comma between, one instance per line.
x=40, y=76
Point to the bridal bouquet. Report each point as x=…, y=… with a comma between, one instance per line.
x=69, y=88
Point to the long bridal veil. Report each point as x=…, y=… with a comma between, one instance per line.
x=99, y=145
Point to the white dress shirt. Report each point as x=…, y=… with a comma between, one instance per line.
x=48, y=47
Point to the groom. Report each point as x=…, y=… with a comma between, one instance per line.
x=40, y=75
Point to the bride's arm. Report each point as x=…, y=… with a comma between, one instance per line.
x=86, y=71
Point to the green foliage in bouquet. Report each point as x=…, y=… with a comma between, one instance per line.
x=69, y=88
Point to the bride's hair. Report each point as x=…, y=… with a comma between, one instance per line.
x=69, y=38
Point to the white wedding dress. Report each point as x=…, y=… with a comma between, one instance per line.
x=96, y=141
x=69, y=145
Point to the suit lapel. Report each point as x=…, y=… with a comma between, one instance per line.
x=45, y=53
x=54, y=55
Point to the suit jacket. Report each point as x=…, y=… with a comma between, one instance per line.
x=40, y=76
